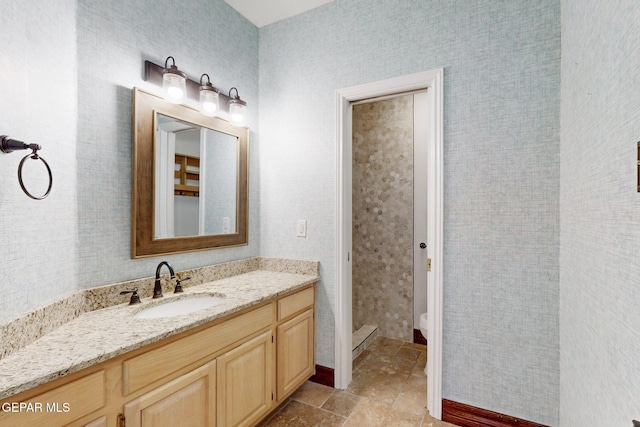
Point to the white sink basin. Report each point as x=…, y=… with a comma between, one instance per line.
x=179, y=307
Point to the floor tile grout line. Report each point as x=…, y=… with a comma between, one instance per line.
x=347, y=402
x=402, y=388
x=406, y=379
x=321, y=408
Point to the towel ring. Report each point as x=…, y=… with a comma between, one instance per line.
x=7, y=145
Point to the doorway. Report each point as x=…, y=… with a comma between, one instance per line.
x=389, y=225
x=432, y=81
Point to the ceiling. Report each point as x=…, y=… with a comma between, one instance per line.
x=265, y=12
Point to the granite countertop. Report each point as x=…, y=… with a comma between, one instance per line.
x=99, y=335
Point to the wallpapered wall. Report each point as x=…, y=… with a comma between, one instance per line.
x=383, y=216
x=600, y=214
x=501, y=172
x=38, y=83
x=114, y=39
x=66, y=83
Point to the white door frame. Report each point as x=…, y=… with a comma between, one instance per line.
x=433, y=82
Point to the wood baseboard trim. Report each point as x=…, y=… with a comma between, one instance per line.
x=324, y=376
x=418, y=338
x=469, y=416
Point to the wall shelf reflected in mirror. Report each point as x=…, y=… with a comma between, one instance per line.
x=190, y=179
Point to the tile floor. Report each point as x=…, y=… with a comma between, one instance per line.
x=389, y=388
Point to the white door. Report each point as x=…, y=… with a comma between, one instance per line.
x=420, y=248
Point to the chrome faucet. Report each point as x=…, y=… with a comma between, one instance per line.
x=157, y=288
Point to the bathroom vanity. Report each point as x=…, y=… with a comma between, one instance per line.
x=228, y=365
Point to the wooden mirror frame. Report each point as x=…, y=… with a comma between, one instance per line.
x=143, y=244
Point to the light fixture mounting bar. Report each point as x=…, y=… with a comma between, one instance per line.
x=153, y=74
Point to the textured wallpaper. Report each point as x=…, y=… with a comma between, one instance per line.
x=38, y=239
x=501, y=63
x=383, y=216
x=222, y=170
x=67, y=83
x=600, y=214
x=501, y=172
x=114, y=39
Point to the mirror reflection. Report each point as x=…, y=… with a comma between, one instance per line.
x=190, y=173
x=195, y=179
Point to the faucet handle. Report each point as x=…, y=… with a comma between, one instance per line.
x=178, y=288
x=135, y=298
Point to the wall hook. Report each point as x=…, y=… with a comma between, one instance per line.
x=8, y=145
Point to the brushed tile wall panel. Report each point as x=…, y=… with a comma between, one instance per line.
x=501, y=172
x=600, y=214
x=383, y=217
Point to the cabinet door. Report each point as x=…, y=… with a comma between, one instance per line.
x=100, y=422
x=245, y=378
x=295, y=354
x=189, y=400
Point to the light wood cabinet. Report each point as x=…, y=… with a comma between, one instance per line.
x=245, y=378
x=153, y=365
x=295, y=303
x=58, y=406
x=100, y=422
x=189, y=400
x=229, y=373
x=295, y=338
x=295, y=353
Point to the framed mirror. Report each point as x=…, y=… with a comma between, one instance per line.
x=190, y=179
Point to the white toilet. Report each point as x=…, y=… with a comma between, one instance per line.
x=423, y=330
x=423, y=325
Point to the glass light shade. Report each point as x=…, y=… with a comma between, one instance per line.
x=175, y=86
x=209, y=101
x=237, y=112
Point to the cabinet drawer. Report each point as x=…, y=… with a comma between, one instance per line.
x=61, y=405
x=149, y=367
x=295, y=303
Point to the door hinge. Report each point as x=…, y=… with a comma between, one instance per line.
x=271, y=338
x=428, y=264
x=271, y=395
x=122, y=421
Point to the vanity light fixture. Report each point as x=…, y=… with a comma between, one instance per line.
x=174, y=82
x=180, y=89
x=237, y=108
x=209, y=99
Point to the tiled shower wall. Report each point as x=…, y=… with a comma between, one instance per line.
x=383, y=216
